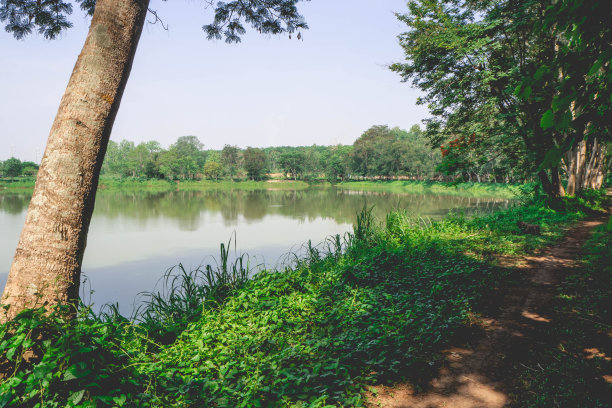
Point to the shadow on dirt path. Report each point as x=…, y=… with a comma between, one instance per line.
x=483, y=374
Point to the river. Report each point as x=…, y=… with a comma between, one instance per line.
x=135, y=237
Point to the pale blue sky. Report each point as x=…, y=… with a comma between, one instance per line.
x=326, y=89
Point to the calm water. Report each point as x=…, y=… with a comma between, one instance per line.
x=135, y=237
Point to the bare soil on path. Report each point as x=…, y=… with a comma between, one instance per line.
x=482, y=371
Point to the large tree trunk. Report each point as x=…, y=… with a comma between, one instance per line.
x=556, y=181
x=47, y=264
x=598, y=166
x=549, y=187
x=586, y=166
x=570, y=170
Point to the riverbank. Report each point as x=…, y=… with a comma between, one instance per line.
x=134, y=184
x=482, y=190
x=437, y=187
x=374, y=306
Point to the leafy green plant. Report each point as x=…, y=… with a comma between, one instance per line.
x=52, y=358
x=167, y=312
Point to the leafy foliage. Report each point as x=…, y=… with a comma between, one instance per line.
x=212, y=169
x=254, y=162
x=230, y=157
x=384, y=152
x=580, y=70
x=14, y=167
x=524, y=94
x=467, y=58
x=63, y=361
x=292, y=162
x=50, y=17
x=266, y=16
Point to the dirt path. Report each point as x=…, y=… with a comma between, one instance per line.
x=481, y=375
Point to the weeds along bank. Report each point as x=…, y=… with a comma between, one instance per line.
x=356, y=310
x=436, y=187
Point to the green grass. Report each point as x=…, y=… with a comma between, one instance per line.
x=16, y=184
x=373, y=306
x=436, y=187
x=188, y=185
x=136, y=184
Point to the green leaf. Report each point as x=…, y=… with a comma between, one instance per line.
x=540, y=72
x=76, y=397
x=559, y=103
x=526, y=92
x=6, y=398
x=120, y=400
x=41, y=372
x=555, y=154
x=547, y=120
x=595, y=66
x=11, y=353
x=69, y=375
x=565, y=122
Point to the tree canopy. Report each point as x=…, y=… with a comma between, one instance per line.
x=518, y=83
x=254, y=162
x=50, y=17
x=390, y=152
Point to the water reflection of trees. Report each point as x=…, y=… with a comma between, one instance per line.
x=189, y=208
x=14, y=203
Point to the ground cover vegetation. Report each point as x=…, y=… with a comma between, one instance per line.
x=373, y=306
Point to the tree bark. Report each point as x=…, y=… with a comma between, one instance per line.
x=580, y=161
x=46, y=268
x=556, y=181
x=547, y=186
x=570, y=169
x=585, y=166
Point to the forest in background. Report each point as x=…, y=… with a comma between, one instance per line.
x=525, y=83
x=380, y=152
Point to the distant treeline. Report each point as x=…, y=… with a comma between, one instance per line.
x=13, y=167
x=379, y=153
